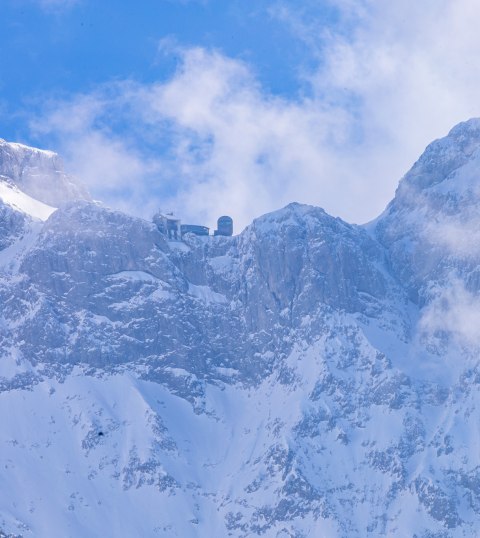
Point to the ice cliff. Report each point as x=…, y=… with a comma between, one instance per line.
x=307, y=377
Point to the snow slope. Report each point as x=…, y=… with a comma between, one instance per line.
x=10, y=195
x=307, y=377
x=39, y=174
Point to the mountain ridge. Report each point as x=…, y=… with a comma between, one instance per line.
x=305, y=377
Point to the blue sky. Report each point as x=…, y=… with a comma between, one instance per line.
x=74, y=48
x=54, y=47
x=237, y=107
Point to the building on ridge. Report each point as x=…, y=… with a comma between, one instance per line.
x=194, y=229
x=173, y=228
x=224, y=226
x=169, y=225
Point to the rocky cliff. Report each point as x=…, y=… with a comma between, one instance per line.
x=306, y=377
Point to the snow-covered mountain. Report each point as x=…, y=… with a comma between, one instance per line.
x=307, y=377
x=38, y=174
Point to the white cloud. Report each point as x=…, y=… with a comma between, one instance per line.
x=408, y=56
x=230, y=148
x=390, y=78
x=456, y=235
x=405, y=69
x=112, y=166
x=453, y=311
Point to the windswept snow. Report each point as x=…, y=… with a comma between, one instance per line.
x=15, y=198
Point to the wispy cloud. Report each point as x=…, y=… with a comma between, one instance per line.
x=222, y=144
x=458, y=236
x=389, y=77
x=405, y=70
x=112, y=165
x=453, y=311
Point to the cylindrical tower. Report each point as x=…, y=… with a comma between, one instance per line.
x=224, y=226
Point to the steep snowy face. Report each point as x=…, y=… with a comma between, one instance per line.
x=39, y=174
x=95, y=275
x=301, y=257
x=432, y=227
x=278, y=383
x=13, y=197
x=292, y=262
x=261, y=340
x=12, y=225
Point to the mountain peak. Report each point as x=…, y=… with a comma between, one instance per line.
x=444, y=156
x=469, y=128
x=430, y=227
x=39, y=174
x=17, y=146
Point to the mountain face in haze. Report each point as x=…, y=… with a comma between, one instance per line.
x=39, y=174
x=307, y=377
